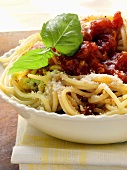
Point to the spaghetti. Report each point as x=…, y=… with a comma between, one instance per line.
x=76, y=85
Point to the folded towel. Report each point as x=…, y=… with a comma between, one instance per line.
x=35, y=150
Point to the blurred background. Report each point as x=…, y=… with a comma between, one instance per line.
x=16, y=15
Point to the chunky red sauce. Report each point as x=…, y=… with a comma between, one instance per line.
x=98, y=51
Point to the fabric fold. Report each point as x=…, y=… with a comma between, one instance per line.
x=38, y=150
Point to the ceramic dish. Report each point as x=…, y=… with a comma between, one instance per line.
x=82, y=129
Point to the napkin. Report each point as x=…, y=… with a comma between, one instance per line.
x=35, y=150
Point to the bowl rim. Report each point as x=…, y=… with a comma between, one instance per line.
x=55, y=115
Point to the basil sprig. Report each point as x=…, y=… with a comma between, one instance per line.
x=33, y=59
x=62, y=33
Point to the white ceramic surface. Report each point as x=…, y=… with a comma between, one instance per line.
x=83, y=129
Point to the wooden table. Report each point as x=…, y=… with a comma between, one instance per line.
x=8, y=116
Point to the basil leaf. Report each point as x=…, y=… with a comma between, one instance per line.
x=64, y=33
x=33, y=59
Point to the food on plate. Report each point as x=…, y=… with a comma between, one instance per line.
x=74, y=66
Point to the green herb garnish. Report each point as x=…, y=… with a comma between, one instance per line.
x=62, y=33
x=33, y=59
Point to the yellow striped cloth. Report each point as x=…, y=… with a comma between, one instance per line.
x=35, y=150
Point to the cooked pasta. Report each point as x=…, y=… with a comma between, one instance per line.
x=51, y=88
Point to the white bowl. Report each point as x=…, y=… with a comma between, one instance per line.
x=82, y=129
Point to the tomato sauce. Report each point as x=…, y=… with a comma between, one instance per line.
x=98, y=51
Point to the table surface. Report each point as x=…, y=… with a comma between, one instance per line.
x=8, y=116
